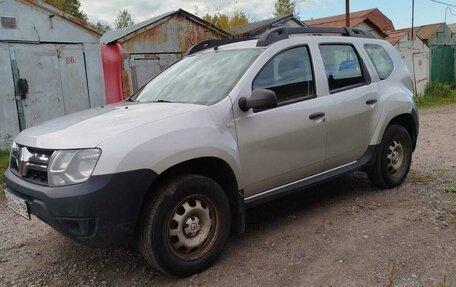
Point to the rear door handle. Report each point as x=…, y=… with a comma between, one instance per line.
x=371, y=102
x=316, y=116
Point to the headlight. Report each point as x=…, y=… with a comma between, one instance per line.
x=68, y=167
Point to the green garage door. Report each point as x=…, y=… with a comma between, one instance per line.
x=442, y=69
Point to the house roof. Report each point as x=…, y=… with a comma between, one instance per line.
x=424, y=32
x=375, y=16
x=452, y=27
x=395, y=36
x=40, y=5
x=117, y=35
x=251, y=28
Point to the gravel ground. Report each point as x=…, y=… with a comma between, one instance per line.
x=342, y=233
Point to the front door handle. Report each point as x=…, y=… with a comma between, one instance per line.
x=316, y=116
x=371, y=102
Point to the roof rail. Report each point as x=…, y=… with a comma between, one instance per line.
x=280, y=33
x=207, y=44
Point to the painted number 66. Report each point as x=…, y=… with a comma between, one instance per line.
x=69, y=60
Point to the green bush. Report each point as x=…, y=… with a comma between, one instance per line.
x=439, y=90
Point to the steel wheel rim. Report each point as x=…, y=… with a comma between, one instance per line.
x=192, y=227
x=396, y=158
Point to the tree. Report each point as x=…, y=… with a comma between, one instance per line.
x=124, y=19
x=227, y=22
x=207, y=18
x=103, y=26
x=72, y=7
x=223, y=22
x=238, y=19
x=284, y=7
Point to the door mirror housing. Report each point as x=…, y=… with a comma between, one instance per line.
x=259, y=100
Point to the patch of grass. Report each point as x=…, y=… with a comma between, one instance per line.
x=4, y=161
x=453, y=219
x=441, y=171
x=443, y=284
x=421, y=178
x=429, y=102
x=451, y=187
x=437, y=94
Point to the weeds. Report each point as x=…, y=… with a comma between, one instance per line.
x=439, y=90
x=437, y=94
x=451, y=187
x=443, y=283
x=421, y=178
x=4, y=161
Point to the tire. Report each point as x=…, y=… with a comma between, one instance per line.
x=185, y=225
x=393, y=158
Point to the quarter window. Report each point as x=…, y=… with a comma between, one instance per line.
x=289, y=75
x=381, y=59
x=342, y=65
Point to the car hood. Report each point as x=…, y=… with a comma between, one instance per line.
x=89, y=128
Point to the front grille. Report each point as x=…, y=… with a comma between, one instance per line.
x=30, y=163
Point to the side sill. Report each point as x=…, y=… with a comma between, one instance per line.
x=289, y=188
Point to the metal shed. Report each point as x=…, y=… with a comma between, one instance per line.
x=442, y=48
x=50, y=65
x=415, y=54
x=152, y=45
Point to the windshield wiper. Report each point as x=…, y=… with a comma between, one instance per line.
x=161, y=101
x=130, y=99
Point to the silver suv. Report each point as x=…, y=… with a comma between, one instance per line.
x=234, y=124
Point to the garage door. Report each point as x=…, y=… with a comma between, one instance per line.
x=56, y=80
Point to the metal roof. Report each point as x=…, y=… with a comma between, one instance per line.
x=260, y=25
x=375, y=16
x=452, y=27
x=424, y=32
x=118, y=35
x=40, y=5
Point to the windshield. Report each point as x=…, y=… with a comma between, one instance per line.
x=204, y=79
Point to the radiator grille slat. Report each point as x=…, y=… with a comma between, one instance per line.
x=30, y=164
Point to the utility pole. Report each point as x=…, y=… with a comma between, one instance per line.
x=347, y=13
x=413, y=18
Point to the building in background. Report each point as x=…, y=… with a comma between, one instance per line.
x=50, y=65
x=372, y=20
x=415, y=54
x=255, y=29
x=152, y=45
x=442, y=48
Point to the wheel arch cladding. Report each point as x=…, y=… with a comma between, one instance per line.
x=217, y=170
x=410, y=123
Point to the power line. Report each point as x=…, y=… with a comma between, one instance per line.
x=451, y=11
x=443, y=3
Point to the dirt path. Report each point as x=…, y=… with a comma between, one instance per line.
x=342, y=233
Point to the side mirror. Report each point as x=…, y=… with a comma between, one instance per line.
x=261, y=99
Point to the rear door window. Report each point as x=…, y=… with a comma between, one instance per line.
x=381, y=60
x=343, y=66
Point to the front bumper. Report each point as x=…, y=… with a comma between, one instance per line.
x=100, y=212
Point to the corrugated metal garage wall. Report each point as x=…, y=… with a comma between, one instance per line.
x=148, y=52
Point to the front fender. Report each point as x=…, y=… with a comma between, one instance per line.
x=161, y=145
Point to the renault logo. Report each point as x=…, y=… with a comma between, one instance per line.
x=23, y=161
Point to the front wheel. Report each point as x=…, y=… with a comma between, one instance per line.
x=393, y=159
x=185, y=226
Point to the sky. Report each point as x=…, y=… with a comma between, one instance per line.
x=399, y=11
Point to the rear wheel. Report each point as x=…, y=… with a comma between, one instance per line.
x=185, y=226
x=393, y=159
